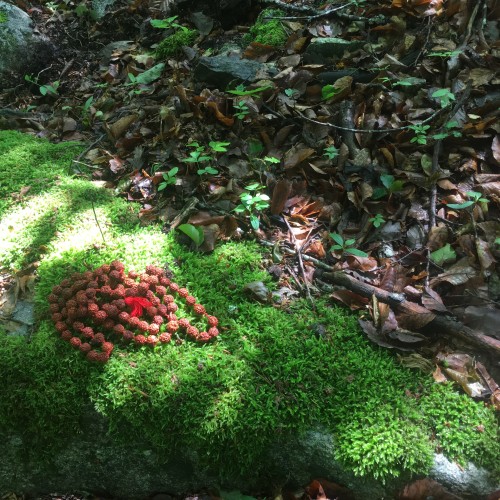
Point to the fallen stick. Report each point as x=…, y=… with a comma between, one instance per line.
x=444, y=324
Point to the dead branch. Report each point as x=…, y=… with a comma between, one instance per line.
x=443, y=324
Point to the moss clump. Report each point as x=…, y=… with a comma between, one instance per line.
x=172, y=45
x=3, y=16
x=266, y=375
x=268, y=31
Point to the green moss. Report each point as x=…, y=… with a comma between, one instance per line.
x=267, y=374
x=3, y=16
x=172, y=45
x=268, y=31
x=30, y=163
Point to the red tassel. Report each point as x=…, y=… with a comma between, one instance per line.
x=137, y=304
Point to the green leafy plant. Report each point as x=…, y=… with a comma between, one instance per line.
x=201, y=155
x=169, y=178
x=444, y=96
x=241, y=110
x=474, y=198
x=194, y=232
x=252, y=202
x=47, y=89
x=390, y=186
x=345, y=246
x=377, y=220
x=331, y=152
x=448, y=130
x=420, y=133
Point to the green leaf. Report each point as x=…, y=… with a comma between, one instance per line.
x=337, y=238
x=253, y=187
x=219, y=146
x=460, y=206
x=387, y=180
x=271, y=159
x=150, y=75
x=254, y=222
x=328, y=91
x=356, y=252
x=194, y=232
x=443, y=255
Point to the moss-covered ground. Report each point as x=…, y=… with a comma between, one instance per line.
x=268, y=373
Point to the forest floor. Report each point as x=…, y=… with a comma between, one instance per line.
x=371, y=175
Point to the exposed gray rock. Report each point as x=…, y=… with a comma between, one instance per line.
x=127, y=468
x=470, y=480
x=219, y=71
x=322, y=50
x=21, y=49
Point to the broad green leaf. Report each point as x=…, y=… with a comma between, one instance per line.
x=253, y=187
x=151, y=74
x=460, y=206
x=387, y=180
x=444, y=255
x=219, y=146
x=356, y=252
x=194, y=232
x=337, y=238
x=254, y=222
x=328, y=91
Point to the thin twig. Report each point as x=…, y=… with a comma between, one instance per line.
x=301, y=263
x=97, y=221
x=370, y=131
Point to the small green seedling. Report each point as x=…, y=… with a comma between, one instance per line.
x=197, y=155
x=49, y=89
x=345, y=246
x=474, y=196
x=377, y=220
x=241, y=110
x=218, y=147
x=251, y=202
x=168, y=178
x=444, y=96
x=390, y=186
x=241, y=91
x=420, y=133
x=194, y=232
x=200, y=155
x=448, y=131
x=331, y=152
x=207, y=170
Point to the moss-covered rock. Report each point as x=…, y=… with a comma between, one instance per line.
x=225, y=408
x=172, y=45
x=268, y=31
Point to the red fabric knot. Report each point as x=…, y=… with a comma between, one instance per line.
x=137, y=304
